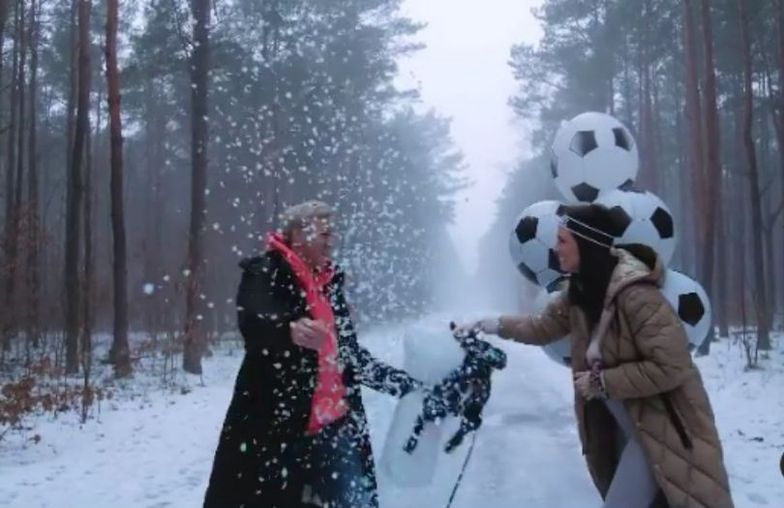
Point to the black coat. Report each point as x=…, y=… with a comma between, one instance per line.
x=262, y=446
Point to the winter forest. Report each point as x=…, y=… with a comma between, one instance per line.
x=148, y=146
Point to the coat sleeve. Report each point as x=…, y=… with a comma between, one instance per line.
x=661, y=341
x=380, y=376
x=539, y=329
x=369, y=371
x=264, y=313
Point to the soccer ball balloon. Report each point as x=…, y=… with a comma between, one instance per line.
x=559, y=351
x=691, y=303
x=642, y=218
x=532, y=243
x=591, y=153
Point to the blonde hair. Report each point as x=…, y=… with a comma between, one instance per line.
x=297, y=216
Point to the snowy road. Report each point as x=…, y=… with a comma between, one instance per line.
x=156, y=450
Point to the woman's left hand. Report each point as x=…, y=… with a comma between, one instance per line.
x=582, y=383
x=588, y=385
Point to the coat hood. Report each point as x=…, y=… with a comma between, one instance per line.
x=636, y=263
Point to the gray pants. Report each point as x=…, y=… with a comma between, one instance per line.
x=633, y=485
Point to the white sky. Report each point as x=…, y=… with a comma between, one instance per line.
x=463, y=74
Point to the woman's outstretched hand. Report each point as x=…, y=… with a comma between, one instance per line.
x=490, y=326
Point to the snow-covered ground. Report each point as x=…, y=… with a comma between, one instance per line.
x=156, y=449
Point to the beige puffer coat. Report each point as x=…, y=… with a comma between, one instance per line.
x=647, y=365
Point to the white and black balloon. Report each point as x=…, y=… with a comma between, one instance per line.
x=559, y=351
x=532, y=243
x=642, y=218
x=691, y=303
x=591, y=153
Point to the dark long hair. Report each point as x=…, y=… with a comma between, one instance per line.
x=593, y=227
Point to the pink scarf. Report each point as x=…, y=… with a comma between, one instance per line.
x=329, y=398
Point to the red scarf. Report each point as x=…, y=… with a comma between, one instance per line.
x=329, y=398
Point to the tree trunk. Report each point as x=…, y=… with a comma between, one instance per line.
x=663, y=174
x=684, y=250
x=778, y=109
x=88, y=282
x=194, y=344
x=8, y=233
x=70, y=113
x=756, y=199
x=73, y=79
x=739, y=223
x=155, y=137
x=712, y=164
x=769, y=200
x=155, y=156
x=694, y=122
x=721, y=304
x=4, y=315
x=278, y=178
x=769, y=235
x=627, y=86
x=652, y=178
x=17, y=218
x=20, y=138
x=647, y=178
x=33, y=270
x=122, y=359
x=74, y=195
x=87, y=286
x=3, y=17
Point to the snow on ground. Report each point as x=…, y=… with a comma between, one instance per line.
x=155, y=450
x=749, y=407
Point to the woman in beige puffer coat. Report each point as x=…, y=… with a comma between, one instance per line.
x=645, y=421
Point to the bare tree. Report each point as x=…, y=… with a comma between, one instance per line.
x=712, y=163
x=74, y=194
x=648, y=174
x=121, y=357
x=152, y=244
x=693, y=113
x=73, y=78
x=88, y=272
x=722, y=283
x=3, y=15
x=33, y=236
x=194, y=333
x=20, y=138
x=9, y=226
x=17, y=261
x=777, y=110
x=5, y=316
x=753, y=172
